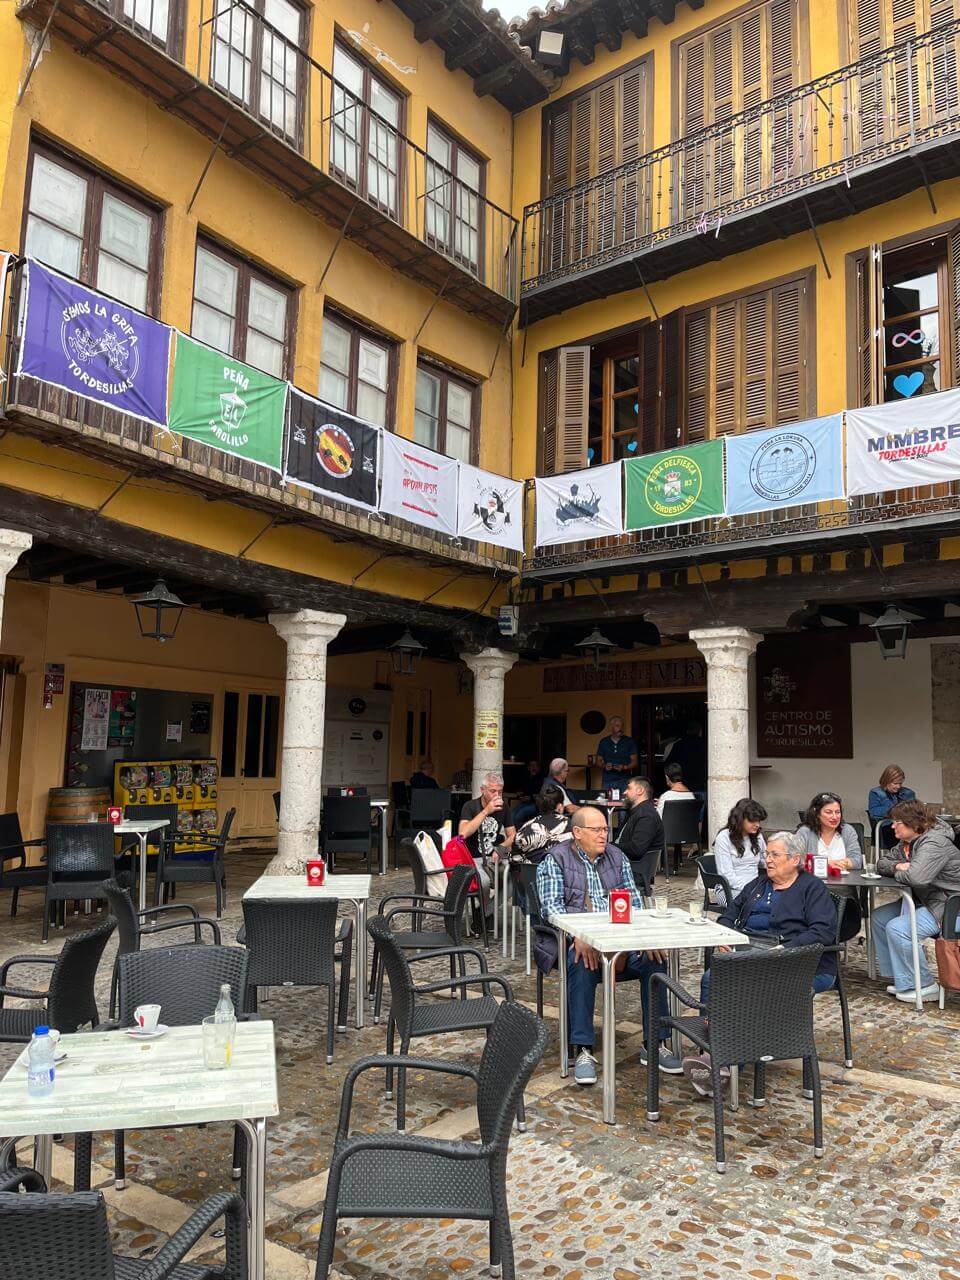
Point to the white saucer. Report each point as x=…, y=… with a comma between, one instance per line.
x=870, y=875
x=661, y=915
x=697, y=920
x=139, y=1033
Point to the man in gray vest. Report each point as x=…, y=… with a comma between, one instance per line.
x=578, y=875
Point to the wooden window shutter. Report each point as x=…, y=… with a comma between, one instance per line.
x=549, y=370
x=784, y=59
x=953, y=264
x=753, y=64
x=566, y=409
x=648, y=427
x=867, y=303
x=557, y=149
x=697, y=353
x=756, y=356
x=607, y=136
x=671, y=379
x=725, y=344
x=789, y=353
x=632, y=146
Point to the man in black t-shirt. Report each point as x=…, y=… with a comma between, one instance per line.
x=486, y=822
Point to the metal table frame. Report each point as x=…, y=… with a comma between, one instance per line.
x=855, y=880
x=142, y=828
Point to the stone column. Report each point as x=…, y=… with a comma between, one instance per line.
x=307, y=633
x=12, y=546
x=727, y=653
x=489, y=667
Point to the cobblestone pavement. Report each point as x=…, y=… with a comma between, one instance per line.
x=587, y=1199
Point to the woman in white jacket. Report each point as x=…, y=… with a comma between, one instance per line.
x=740, y=847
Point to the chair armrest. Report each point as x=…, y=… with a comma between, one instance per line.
x=346, y=930
x=16, y=856
x=189, y=924
x=222, y=1205
x=405, y=897
x=485, y=978
x=681, y=993
x=21, y=993
x=9, y=963
x=170, y=906
x=413, y=911
x=13, y=1178
x=443, y=1148
x=432, y=954
x=393, y=1060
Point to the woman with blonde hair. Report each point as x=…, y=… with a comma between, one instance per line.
x=889, y=792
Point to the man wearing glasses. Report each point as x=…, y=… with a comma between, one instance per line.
x=578, y=875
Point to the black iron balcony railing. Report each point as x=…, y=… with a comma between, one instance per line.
x=252, y=86
x=900, y=100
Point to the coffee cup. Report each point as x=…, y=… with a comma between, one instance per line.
x=147, y=1016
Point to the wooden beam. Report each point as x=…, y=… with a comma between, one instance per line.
x=582, y=41
x=633, y=16
x=429, y=28
x=498, y=78
x=472, y=49
x=608, y=31
x=665, y=10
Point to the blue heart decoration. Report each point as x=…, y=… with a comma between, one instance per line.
x=589, y=455
x=908, y=383
x=632, y=446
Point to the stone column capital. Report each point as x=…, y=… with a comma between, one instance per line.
x=307, y=630
x=489, y=663
x=726, y=646
x=13, y=544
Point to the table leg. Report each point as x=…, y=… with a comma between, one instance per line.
x=609, y=1038
x=360, y=907
x=907, y=897
x=43, y=1156
x=256, y=1134
x=384, y=854
x=868, y=935
x=673, y=970
x=564, y=1011
x=143, y=869
x=496, y=902
x=504, y=904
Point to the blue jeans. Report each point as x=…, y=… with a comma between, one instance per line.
x=821, y=982
x=582, y=986
x=891, y=939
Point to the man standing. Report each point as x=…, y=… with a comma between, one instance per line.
x=641, y=836
x=617, y=755
x=578, y=875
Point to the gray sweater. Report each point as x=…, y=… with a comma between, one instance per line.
x=934, y=871
x=851, y=845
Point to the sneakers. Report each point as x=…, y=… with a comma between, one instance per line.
x=698, y=1072
x=891, y=990
x=669, y=1062
x=585, y=1068
x=926, y=993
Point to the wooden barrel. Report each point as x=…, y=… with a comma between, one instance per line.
x=78, y=804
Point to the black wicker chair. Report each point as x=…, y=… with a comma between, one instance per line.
x=69, y=1000
x=130, y=922
x=428, y=810
x=297, y=944
x=681, y=826
x=346, y=828
x=386, y=1175
x=950, y=932
x=713, y=880
x=760, y=1010
x=160, y=812
x=409, y=850
x=65, y=1237
x=449, y=912
x=411, y=1016
x=174, y=869
x=15, y=874
x=80, y=856
x=185, y=981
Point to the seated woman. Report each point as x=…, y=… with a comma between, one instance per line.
x=549, y=827
x=825, y=832
x=740, y=847
x=677, y=789
x=926, y=859
x=889, y=792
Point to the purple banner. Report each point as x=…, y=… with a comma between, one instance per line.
x=94, y=347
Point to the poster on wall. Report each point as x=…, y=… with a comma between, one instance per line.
x=487, y=730
x=419, y=485
x=226, y=404
x=803, y=699
x=904, y=444
x=331, y=452
x=785, y=466
x=490, y=508
x=93, y=346
x=96, y=720
x=675, y=486
x=579, y=505
x=123, y=717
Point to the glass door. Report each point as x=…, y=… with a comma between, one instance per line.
x=250, y=760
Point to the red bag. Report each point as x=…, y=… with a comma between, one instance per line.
x=456, y=854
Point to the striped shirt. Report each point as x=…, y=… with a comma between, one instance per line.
x=550, y=883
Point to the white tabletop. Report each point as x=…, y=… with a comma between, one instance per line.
x=295, y=888
x=110, y=1080
x=646, y=931
x=141, y=826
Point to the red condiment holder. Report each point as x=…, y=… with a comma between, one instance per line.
x=315, y=873
x=115, y=814
x=620, y=906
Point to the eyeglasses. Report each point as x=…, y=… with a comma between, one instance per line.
x=827, y=797
x=603, y=829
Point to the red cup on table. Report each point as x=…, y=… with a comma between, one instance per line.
x=315, y=872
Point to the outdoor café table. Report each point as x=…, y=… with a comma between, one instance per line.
x=355, y=889
x=142, y=828
x=672, y=933
x=856, y=880
x=112, y=1081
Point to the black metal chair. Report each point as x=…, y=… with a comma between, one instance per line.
x=65, y=1237
x=168, y=813
x=69, y=1000
x=449, y=911
x=884, y=837
x=15, y=874
x=429, y=810
x=174, y=868
x=387, y=1175
x=681, y=826
x=400, y=804
x=130, y=921
x=527, y=874
x=80, y=856
x=408, y=848
x=646, y=869
x=185, y=981
x=760, y=1010
x=715, y=882
x=297, y=944
x=949, y=931
x=346, y=828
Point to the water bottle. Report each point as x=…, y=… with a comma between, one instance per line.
x=224, y=1011
x=40, y=1063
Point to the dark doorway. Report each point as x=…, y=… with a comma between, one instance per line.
x=541, y=738
x=658, y=720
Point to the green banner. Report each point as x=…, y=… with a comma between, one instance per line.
x=674, y=486
x=226, y=404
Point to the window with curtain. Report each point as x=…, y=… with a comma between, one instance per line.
x=238, y=309
x=365, y=138
x=256, y=57
x=453, y=207
x=445, y=412
x=356, y=370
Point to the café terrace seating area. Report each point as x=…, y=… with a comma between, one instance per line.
x=586, y=1198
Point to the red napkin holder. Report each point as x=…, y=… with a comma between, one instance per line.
x=620, y=906
x=315, y=873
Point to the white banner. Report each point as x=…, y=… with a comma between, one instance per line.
x=904, y=444
x=580, y=505
x=490, y=508
x=419, y=485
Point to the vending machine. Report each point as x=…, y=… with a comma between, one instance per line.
x=189, y=784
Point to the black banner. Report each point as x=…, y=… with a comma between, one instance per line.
x=331, y=452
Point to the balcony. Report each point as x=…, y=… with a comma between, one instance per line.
x=858, y=137
x=266, y=103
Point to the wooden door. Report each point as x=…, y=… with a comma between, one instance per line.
x=250, y=760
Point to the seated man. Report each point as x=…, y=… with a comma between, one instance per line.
x=559, y=771
x=486, y=826
x=641, y=836
x=424, y=779
x=578, y=875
